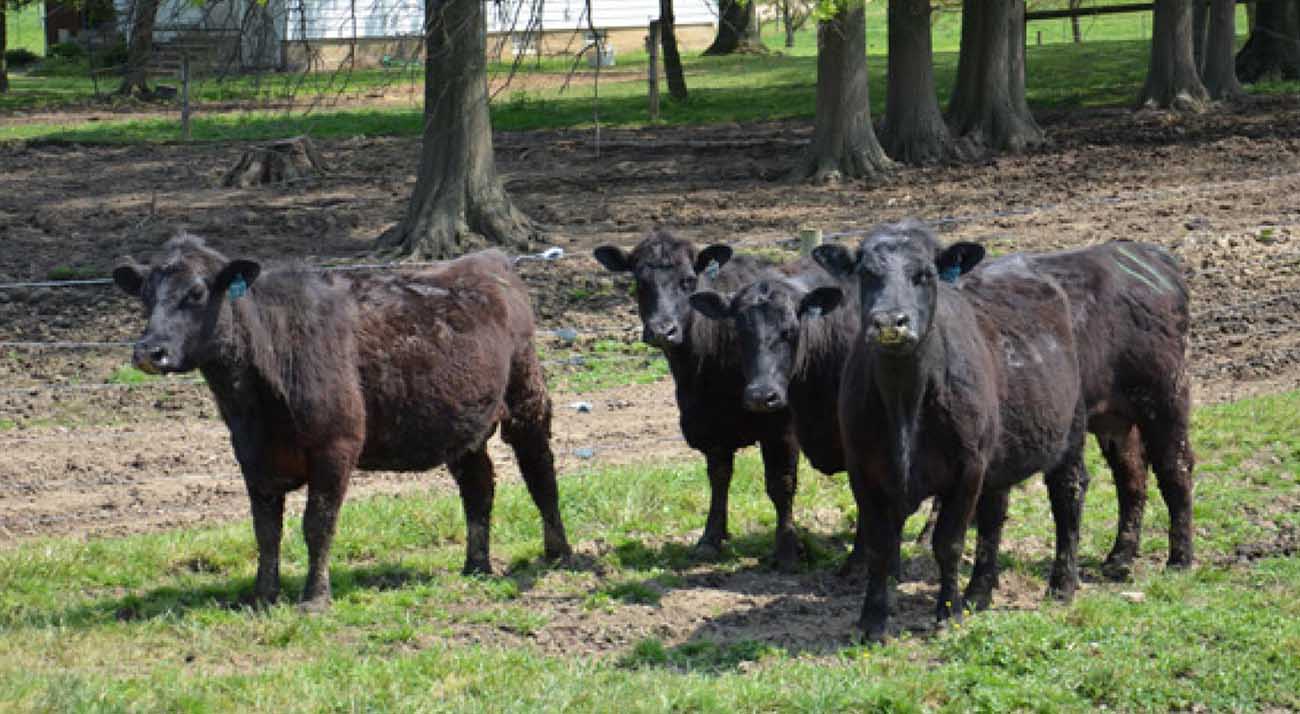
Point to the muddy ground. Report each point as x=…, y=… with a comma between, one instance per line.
x=85, y=457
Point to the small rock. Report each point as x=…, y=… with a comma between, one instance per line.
x=581, y=407
x=566, y=334
x=1134, y=596
x=585, y=452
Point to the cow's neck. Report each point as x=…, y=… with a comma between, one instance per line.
x=243, y=364
x=901, y=382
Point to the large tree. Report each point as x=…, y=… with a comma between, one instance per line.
x=1172, y=79
x=844, y=143
x=988, y=109
x=737, y=28
x=1273, y=48
x=913, y=131
x=672, y=58
x=458, y=199
x=4, y=47
x=135, y=77
x=1220, y=71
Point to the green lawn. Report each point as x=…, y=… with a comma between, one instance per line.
x=1107, y=69
x=152, y=622
x=24, y=28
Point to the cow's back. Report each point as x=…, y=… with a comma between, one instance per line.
x=1024, y=319
x=435, y=349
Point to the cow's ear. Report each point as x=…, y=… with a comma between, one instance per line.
x=958, y=259
x=716, y=253
x=236, y=277
x=613, y=258
x=834, y=259
x=129, y=276
x=820, y=301
x=711, y=305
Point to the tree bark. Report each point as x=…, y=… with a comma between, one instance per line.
x=672, y=58
x=1220, y=72
x=1075, y=30
x=135, y=78
x=1172, y=79
x=737, y=28
x=1273, y=48
x=913, y=131
x=787, y=21
x=458, y=201
x=4, y=47
x=844, y=144
x=988, y=111
x=1200, y=20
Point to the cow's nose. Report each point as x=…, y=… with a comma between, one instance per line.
x=150, y=358
x=763, y=398
x=891, y=319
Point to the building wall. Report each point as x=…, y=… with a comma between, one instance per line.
x=330, y=54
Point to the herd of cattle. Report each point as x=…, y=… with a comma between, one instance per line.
x=921, y=370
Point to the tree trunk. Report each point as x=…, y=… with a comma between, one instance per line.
x=737, y=28
x=988, y=111
x=787, y=21
x=4, y=47
x=1273, y=48
x=914, y=131
x=135, y=77
x=844, y=143
x=1172, y=79
x=458, y=199
x=672, y=58
x=1220, y=70
x=1200, y=19
x=1075, y=30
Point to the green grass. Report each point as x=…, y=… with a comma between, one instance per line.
x=602, y=364
x=1107, y=69
x=24, y=28
x=155, y=622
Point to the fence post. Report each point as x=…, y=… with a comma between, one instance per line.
x=185, y=96
x=652, y=49
x=809, y=238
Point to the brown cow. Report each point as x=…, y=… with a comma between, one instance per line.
x=318, y=374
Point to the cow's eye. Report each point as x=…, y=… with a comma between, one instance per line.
x=921, y=277
x=194, y=297
x=689, y=283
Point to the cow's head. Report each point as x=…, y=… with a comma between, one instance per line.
x=767, y=317
x=184, y=290
x=666, y=271
x=899, y=267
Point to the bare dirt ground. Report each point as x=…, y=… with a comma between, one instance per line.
x=1220, y=190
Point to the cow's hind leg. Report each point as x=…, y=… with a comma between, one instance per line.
x=720, y=463
x=327, y=483
x=781, y=476
x=477, y=481
x=990, y=515
x=1166, y=437
x=1067, y=487
x=1124, y=455
x=527, y=429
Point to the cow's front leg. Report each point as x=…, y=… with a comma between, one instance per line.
x=327, y=483
x=268, y=526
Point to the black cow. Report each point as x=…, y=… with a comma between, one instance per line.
x=317, y=374
x=1130, y=311
x=959, y=392
x=704, y=357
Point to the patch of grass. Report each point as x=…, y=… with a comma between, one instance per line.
x=1108, y=68
x=126, y=374
x=159, y=622
x=72, y=272
x=602, y=364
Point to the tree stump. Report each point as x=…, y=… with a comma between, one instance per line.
x=278, y=162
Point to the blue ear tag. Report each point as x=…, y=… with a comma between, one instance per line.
x=238, y=287
x=950, y=274
x=711, y=269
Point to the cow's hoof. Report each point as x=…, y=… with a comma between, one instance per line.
x=853, y=567
x=1062, y=592
x=978, y=599
x=1117, y=570
x=558, y=554
x=873, y=633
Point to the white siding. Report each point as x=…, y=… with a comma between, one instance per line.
x=344, y=19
